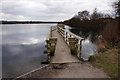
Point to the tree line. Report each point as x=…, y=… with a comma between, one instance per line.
x=97, y=24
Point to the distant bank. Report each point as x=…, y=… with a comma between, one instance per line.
x=27, y=22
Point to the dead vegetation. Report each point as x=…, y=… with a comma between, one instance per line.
x=110, y=33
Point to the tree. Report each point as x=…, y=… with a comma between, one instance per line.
x=96, y=15
x=107, y=16
x=84, y=15
x=117, y=8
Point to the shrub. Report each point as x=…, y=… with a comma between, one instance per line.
x=102, y=50
x=92, y=58
x=110, y=33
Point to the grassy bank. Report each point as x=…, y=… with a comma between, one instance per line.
x=106, y=33
x=107, y=60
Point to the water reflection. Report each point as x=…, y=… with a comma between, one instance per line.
x=17, y=34
x=18, y=59
x=22, y=48
x=89, y=48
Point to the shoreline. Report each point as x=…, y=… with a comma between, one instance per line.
x=31, y=71
x=27, y=22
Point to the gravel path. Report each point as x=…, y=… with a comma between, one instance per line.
x=67, y=70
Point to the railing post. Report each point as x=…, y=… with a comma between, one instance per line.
x=76, y=47
x=72, y=43
x=48, y=50
x=52, y=42
x=58, y=29
x=80, y=49
x=63, y=34
x=51, y=31
x=66, y=37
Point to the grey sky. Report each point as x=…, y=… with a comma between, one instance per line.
x=50, y=10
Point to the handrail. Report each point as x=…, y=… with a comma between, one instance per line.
x=76, y=36
x=72, y=40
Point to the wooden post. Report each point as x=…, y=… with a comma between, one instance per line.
x=53, y=41
x=80, y=48
x=48, y=50
x=76, y=47
x=72, y=43
x=66, y=37
x=63, y=34
x=51, y=44
x=58, y=29
x=60, y=32
x=51, y=31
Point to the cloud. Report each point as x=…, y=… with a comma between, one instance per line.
x=52, y=10
x=13, y=17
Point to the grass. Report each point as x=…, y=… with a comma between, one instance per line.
x=102, y=50
x=107, y=28
x=107, y=61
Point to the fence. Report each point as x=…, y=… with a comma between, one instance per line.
x=72, y=40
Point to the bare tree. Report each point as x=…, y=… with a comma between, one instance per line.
x=84, y=15
x=117, y=8
x=107, y=16
x=96, y=15
x=75, y=16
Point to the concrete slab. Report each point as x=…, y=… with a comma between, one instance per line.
x=62, y=51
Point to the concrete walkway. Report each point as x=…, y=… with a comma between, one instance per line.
x=65, y=65
x=62, y=51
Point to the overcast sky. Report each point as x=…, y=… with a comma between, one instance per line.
x=50, y=10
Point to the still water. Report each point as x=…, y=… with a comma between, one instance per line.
x=22, y=48
x=89, y=48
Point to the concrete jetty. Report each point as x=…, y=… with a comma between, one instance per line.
x=64, y=58
x=62, y=51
